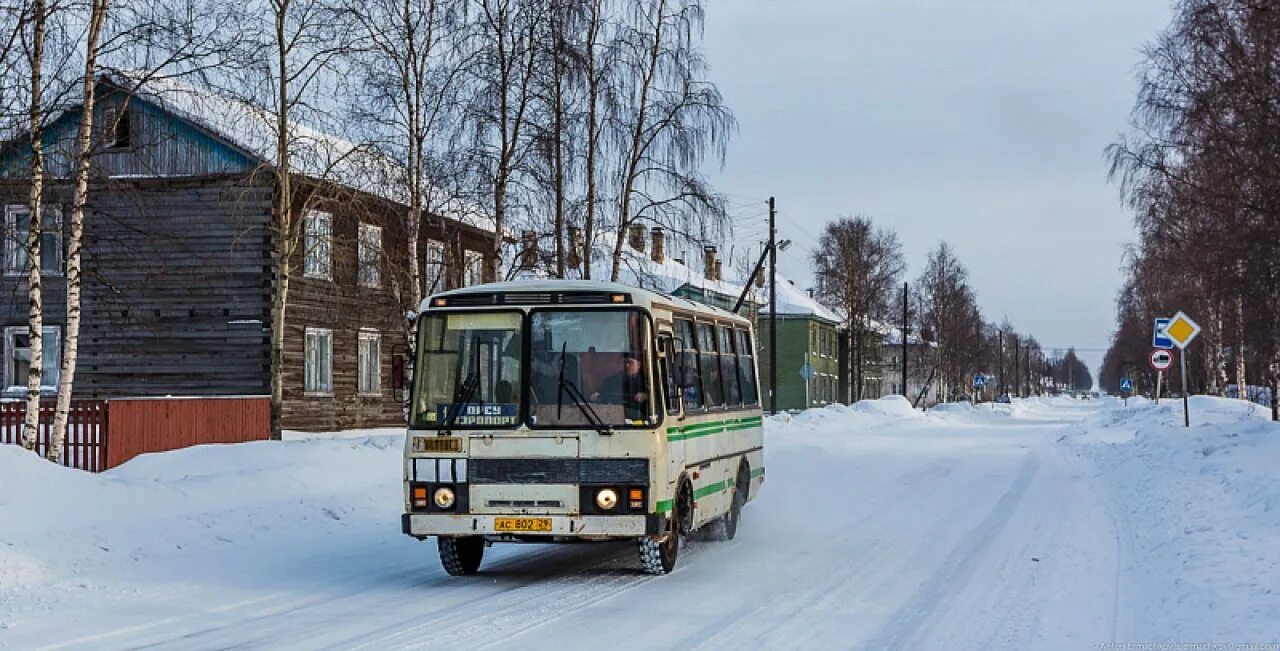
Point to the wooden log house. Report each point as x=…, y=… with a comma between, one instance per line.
x=179, y=238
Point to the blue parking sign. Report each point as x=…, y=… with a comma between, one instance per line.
x=1160, y=338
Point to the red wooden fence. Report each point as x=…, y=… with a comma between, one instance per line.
x=142, y=425
x=103, y=434
x=88, y=432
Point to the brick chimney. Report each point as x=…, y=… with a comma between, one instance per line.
x=528, y=249
x=635, y=237
x=716, y=268
x=658, y=252
x=574, y=257
x=709, y=262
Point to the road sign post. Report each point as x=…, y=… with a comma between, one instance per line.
x=1182, y=330
x=1161, y=360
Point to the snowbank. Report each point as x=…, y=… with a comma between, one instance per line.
x=1199, y=513
x=59, y=524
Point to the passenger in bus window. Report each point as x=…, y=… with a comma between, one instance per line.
x=626, y=388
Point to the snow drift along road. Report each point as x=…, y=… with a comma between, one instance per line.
x=1043, y=524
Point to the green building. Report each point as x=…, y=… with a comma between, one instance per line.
x=808, y=347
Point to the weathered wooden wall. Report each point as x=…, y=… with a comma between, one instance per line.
x=177, y=287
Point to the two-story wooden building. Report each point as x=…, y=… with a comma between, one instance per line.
x=179, y=241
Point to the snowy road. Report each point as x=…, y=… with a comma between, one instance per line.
x=962, y=530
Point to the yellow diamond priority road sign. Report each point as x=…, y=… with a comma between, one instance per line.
x=1182, y=330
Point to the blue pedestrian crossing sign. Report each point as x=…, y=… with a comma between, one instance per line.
x=979, y=381
x=1126, y=385
x=1160, y=337
x=807, y=371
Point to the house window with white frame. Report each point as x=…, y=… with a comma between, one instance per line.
x=318, y=245
x=433, y=270
x=369, y=362
x=17, y=358
x=319, y=361
x=370, y=254
x=17, y=227
x=473, y=268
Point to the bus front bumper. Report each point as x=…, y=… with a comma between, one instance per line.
x=421, y=525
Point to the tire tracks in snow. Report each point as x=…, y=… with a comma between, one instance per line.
x=908, y=618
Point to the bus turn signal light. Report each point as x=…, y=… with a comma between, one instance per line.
x=635, y=498
x=419, y=497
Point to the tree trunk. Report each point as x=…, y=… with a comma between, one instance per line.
x=593, y=137
x=84, y=151
x=35, y=313
x=284, y=226
x=1241, y=379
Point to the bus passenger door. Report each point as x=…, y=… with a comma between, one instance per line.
x=673, y=404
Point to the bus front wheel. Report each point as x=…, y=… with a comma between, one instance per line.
x=659, y=556
x=461, y=556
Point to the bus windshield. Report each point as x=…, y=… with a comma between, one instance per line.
x=468, y=372
x=590, y=365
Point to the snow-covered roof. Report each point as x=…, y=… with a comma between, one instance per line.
x=794, y=301
x=314, y=153
x=668, y=276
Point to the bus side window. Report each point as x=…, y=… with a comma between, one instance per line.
x=747, y=368
x=671, y=388
x=709, y=365
x=729, y=366
x=687, y=360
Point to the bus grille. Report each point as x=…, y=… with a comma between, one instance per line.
x=558, y=471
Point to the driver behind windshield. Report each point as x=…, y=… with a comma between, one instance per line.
x=626, y=387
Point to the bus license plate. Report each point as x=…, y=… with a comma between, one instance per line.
x=522, y=524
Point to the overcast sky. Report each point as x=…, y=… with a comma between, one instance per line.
x=979, y=123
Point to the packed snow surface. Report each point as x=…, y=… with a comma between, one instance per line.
x=1045, y=524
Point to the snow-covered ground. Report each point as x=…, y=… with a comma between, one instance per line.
x=1043, y=524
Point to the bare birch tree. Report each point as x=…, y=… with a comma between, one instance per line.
x=858, y=268
x=504, y=58
x=668, y=119
x=83, y=153
x=38, y=19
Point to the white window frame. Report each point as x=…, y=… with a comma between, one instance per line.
x=369, y=255
x=50, y=238
x=433, y=267
x=109, y=127
x=369, y=377
x=317, y=381
x=317, y=245
x=472, y=268
x=51, y=352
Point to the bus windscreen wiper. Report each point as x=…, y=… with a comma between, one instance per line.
x=567, y=386
x=465, y=393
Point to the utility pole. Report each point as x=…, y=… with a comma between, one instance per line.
x=1000, y=347
x=773, y=308
x=905, y=328
x=1016, y=345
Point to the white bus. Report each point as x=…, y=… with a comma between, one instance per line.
x=567, y=411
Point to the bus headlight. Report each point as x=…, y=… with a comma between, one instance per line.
x=606, y=499
x=444, y=497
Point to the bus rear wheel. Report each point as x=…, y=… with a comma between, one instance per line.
x=461, y=556
x=726, y=526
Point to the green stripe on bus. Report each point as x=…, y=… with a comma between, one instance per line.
x=666, y=505
x=697, y=430
x=710, y=489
